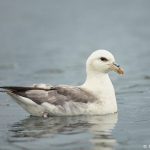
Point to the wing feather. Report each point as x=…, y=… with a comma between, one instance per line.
x=55, y=95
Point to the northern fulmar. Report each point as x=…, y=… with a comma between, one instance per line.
x=96, y=96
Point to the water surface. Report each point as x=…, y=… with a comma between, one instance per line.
x=48, y=42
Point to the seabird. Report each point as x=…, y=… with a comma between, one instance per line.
x=96, y=96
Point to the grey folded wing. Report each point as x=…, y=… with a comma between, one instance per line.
x=55, y=95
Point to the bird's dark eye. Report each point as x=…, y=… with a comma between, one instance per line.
x=103, y=59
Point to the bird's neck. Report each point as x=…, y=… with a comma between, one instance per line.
x=99, y=84
x=95, y=81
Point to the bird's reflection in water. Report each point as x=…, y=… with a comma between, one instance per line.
x=80, y=132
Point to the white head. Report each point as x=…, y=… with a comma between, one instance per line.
x=102, y=61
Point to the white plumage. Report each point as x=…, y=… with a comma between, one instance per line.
x=96, y=96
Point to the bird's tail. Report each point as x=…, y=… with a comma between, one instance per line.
x=19, y=88
x=14, y=88
x=3, y=89
x=18, y=95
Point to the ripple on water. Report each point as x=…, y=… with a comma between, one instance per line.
x=49, y=71
x=65, y=132
x=7, y=66
x=147, y=77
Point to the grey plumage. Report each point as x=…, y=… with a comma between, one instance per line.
x=55, y=95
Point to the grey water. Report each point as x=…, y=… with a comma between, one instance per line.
x=49, y=41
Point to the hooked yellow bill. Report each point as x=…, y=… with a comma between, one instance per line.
x=117, y=69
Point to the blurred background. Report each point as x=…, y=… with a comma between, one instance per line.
x=48, y=41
